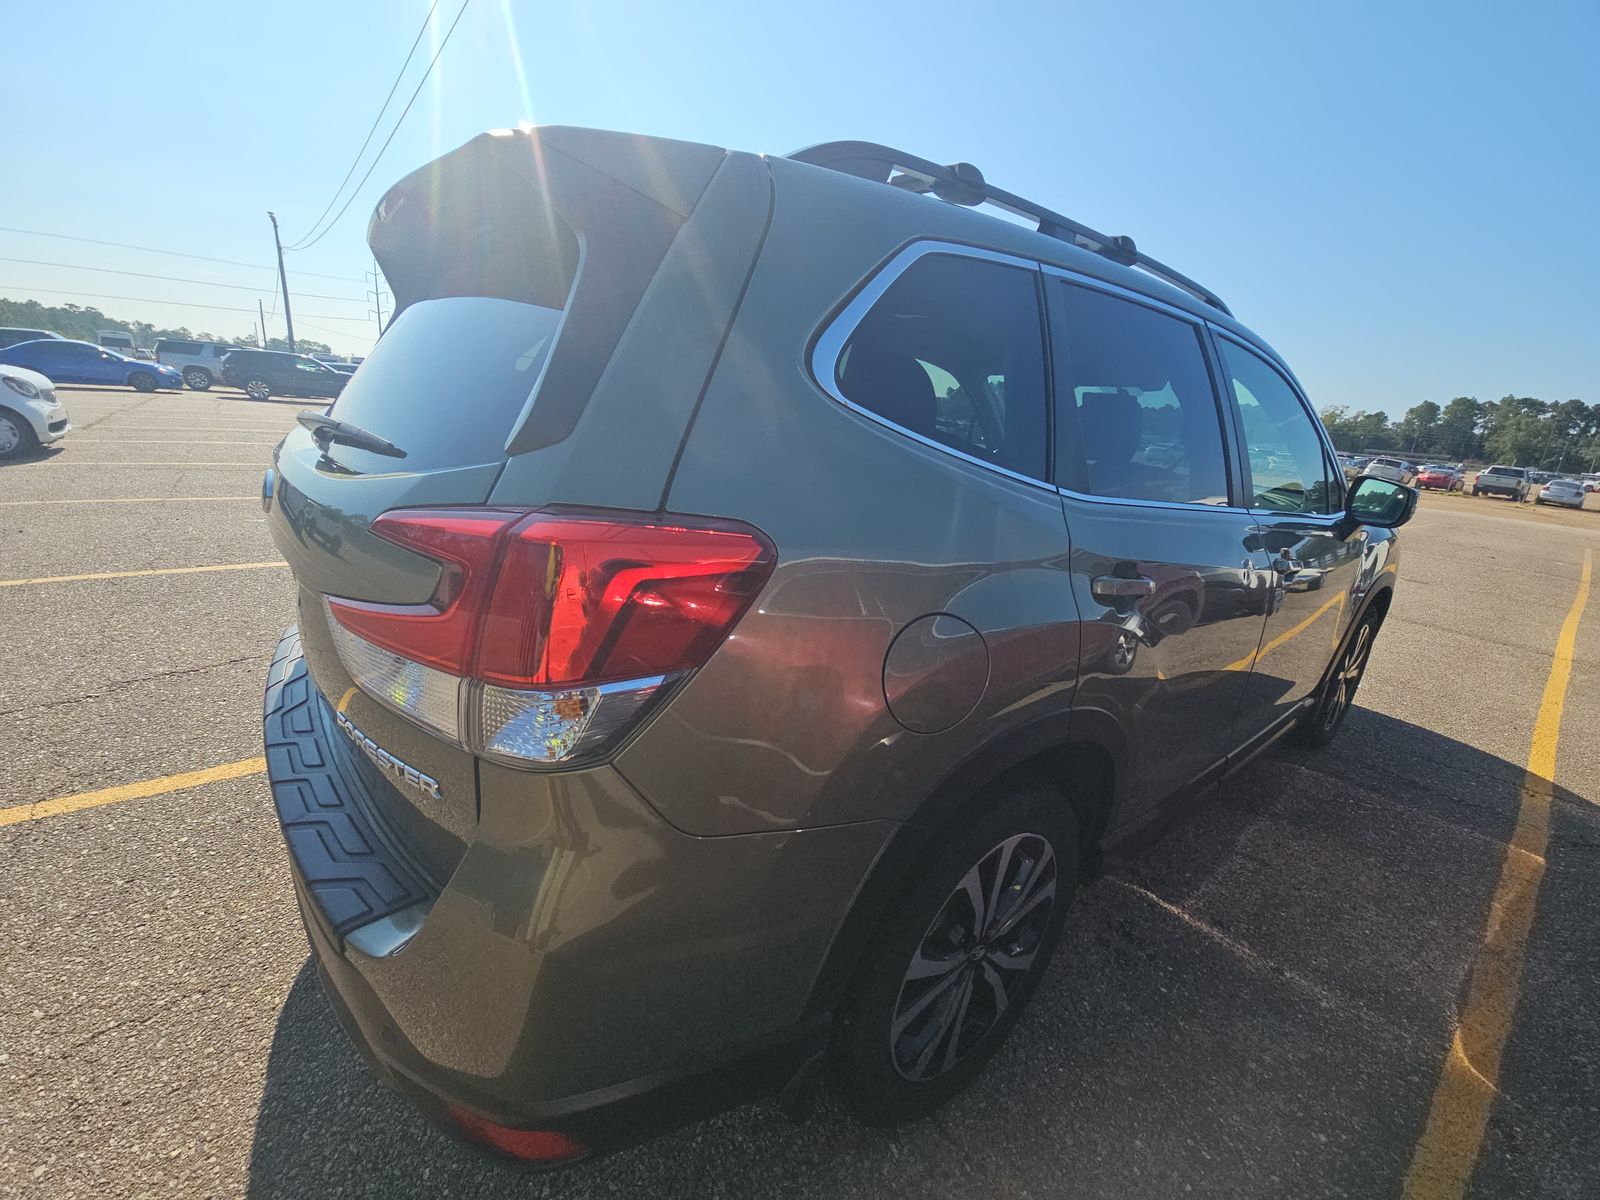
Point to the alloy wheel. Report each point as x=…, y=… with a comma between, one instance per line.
x=1348, y=675
x=10, y=435
x=969, y=963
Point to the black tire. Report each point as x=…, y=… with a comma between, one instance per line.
x=1322, y=724
x=1476, y=492
x=142, y=381
x=198, y=379
x=16, y=435
x=257, y=389
x=904, y=1043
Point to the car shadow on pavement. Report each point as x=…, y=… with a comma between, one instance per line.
x=1257, y=1004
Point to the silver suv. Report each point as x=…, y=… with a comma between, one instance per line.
x=742, y=598
x=199, y=362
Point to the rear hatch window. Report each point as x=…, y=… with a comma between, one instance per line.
x=448, y=381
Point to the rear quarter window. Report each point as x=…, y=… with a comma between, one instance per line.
x=953, y=351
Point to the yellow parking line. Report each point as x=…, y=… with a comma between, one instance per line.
x=122, y=500
x=140, y=574
x=1441, y=1165
x=19, y=813
x=1245, y=662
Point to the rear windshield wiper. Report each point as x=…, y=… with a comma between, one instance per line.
x=326, y=430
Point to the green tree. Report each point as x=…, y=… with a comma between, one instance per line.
x=1457, y=430
x=1418, y=429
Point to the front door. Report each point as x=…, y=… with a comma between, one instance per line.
x=1170, y=596
x=1311, y=555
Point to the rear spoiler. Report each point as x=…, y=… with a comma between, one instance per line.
x=567, y=218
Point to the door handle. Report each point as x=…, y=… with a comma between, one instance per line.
x=1117, y=587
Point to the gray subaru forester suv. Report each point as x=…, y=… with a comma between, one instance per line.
x=741, y=598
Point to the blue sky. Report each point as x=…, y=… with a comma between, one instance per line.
x=1402, y=198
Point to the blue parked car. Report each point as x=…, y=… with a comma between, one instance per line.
x=67, y=361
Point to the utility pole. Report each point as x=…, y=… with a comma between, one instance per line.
x=375, y=294
x=261, y=309
x=283, y=280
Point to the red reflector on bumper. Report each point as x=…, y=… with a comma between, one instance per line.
x=529, y=1145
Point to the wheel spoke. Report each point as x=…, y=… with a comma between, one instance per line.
x=1011, y=962
x=997, y=985
x=1039, y=895
x=953, y=1048
x=920, y=1005
x=1007, y=848
x=924, y=967
x=972, y=885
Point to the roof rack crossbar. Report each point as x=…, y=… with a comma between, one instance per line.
x=962, y=183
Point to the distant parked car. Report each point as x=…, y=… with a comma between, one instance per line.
x=66, y=361
x=264, y=373
x=1591, y=483
x=1511, y=482
x=1568, y=493
x=30, y=414
x=200, y=363
x=11, y=335
x=1439, y=476
x=1395, y=470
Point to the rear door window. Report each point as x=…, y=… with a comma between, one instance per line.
x=1136, y=413
x=953, y=351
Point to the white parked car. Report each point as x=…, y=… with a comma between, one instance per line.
x=30, y=414
x=200, y=363
x=1568, y=493
x=1395, y=470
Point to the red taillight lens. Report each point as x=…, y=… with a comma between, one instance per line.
x=556, y=632
x=591, y=600
x=531, y=1145
x=441, y=633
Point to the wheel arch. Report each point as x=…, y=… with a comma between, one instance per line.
x=1084, y=764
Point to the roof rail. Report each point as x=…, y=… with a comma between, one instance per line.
x=962, y=183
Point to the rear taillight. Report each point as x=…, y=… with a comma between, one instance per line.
x=548, y=635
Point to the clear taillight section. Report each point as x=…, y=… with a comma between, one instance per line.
x=555, y=632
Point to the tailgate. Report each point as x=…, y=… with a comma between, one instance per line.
x=516, y=263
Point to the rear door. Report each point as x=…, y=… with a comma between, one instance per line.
x=1171, y=602
x=1296, y=492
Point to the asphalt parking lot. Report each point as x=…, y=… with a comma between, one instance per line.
x=1258, y=1005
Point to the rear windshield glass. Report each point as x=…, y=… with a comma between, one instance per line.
x=447, y=381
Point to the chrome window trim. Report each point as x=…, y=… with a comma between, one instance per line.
x=1305, y=405
x=1123, y=293
x=1186, y=505
x=830, y=343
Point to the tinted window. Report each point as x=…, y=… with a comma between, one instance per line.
x=1137, y=416
x=175, y=347
x=1283, y=447
x=448, y=380
x=953, y=351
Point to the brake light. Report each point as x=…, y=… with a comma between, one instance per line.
x=562, y=628
x=547, y=1146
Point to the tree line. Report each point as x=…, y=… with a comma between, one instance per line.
x=84, y=324
x=1518, y=430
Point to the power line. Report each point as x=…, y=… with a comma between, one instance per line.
x=400, y=120
x=229, y=262
x=383, y=108
x=238, y=287
x=178, y=303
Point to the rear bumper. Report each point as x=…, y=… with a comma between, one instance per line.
x=587, y=969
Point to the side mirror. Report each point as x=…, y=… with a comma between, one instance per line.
x=1377, y=502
